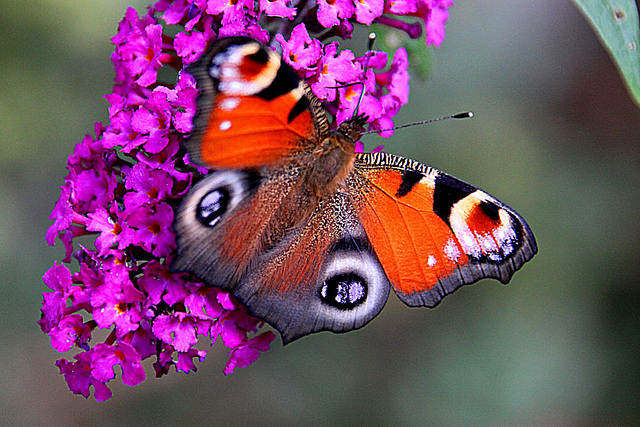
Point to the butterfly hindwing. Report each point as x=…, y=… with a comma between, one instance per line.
x=253, y=110
x=209, y=244
x=434, y=233
x=319, y=273
x=323, y=276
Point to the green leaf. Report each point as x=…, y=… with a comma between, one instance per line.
x=616, y=23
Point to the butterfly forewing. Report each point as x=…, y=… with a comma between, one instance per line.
x=434, y=233
x=252, y=108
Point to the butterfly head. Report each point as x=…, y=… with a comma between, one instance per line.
x=353, y=129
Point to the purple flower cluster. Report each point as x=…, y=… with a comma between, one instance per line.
x=124, y=183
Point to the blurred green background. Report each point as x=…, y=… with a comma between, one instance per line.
x=555, y=136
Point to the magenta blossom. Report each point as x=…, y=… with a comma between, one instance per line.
x=123, y=183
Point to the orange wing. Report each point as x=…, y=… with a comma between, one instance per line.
x=434, y=233
x=254, y=132
x=252, y=108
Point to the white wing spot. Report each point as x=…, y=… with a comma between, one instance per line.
x=429, y=179
x=431, y=260
x=229, y=104
x=225, y=125
x=451, y=251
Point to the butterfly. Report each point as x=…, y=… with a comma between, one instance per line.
x=309, y=234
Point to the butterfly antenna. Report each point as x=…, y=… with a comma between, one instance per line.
x=355, y=112
x=372, y=40
x=465, y=115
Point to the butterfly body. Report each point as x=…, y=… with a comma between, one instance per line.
x=306, y=232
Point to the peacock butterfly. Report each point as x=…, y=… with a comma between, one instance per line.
x=309, y=234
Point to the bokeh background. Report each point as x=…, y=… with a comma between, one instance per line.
x=555, y=136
